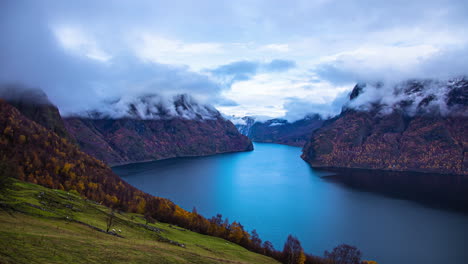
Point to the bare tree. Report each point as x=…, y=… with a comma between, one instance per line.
x=344, y=254
x=292, y=251
x=110, y=220
x=149, y=219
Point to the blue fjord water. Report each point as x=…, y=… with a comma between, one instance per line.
x=272, y=190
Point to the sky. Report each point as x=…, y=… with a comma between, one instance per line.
x=268, y=58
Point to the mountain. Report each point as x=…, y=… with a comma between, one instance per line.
x=153, y=127
x=280, y=131
x=35, y=105
x=32, y=153
x=84, y=186
x=244, y=124
x=417, y=125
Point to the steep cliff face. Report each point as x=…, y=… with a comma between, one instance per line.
x=149, y=130
x=281, y=131
x=419, y=126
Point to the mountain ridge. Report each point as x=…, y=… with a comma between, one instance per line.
x=415, y=134
x=280, y=131
x=150, y=128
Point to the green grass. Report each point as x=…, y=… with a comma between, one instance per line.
x=40, y=225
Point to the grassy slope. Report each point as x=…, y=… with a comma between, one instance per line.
x=29, y=234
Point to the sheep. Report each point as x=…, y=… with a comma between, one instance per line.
x=120, y=231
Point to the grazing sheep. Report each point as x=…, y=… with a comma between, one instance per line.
x=113, y=230
x=120, y=231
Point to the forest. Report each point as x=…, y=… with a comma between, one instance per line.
x=31, y=153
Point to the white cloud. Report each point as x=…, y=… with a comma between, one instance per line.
x=74, y=39
x=152, y=47
x=266, y=94
x=275, y=47
x=333, y=44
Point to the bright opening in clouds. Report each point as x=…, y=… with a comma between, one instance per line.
x=273, y=58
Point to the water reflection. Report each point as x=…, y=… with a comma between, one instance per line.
x=434, y=190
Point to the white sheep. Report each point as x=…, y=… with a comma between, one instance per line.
x=113, y=230
x=120, y=231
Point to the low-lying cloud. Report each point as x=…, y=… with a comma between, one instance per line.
x=445, y=97
x=155, y=106
x=85, y=52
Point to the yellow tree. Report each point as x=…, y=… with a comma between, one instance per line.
x=293, y=252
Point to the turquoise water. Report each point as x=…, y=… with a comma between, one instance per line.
x=272, y=190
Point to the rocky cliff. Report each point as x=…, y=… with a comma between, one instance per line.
x=150, y=128
x=412, y=126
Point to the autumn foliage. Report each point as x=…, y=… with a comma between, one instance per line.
x=398, y=142
x=34, y=154
x=30, y=152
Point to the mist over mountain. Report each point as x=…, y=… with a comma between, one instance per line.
x=153, y=127
x=20, y=94
x=35, y=105
x=153, y=106
x=426, y=96
x=416, y=125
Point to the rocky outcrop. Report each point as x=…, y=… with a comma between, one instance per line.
x=419, y=126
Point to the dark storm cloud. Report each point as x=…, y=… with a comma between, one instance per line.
x=335, y=37
x=335, y=75
x=246, y=70
x=31, y=55
x=237, y=71
x=279, y=65
x=442, y=64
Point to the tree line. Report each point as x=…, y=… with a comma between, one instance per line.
x=30, y=152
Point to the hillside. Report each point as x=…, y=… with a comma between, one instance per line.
x=281, y=131
x=30, y=152
x=419, y=126
x=149, y=128
x=53, y=226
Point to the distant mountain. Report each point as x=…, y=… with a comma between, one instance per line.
x=244, y=124
x=280, y=131
x=417, y=125
x=153, y=127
